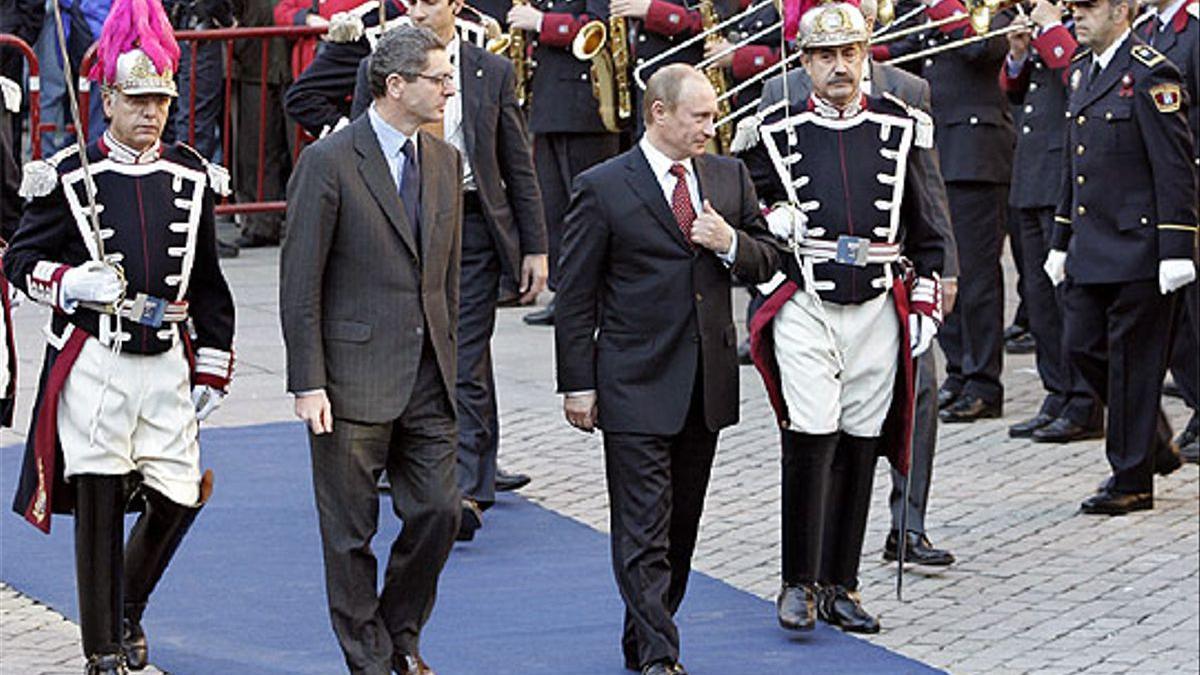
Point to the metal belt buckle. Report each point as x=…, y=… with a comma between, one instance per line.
x=148, y=310
x=852, y=250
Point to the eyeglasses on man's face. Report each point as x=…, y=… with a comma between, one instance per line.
x=444, y=81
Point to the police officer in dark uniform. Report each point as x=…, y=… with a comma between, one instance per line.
x=564, y=118
x=1173, y=28
x=1034, y=77
x=1125, y=236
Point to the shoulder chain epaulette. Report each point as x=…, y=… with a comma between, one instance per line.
x=1081, y=55
x=39, y=176
x=923, y=138
x=218, y=176
x=1148, y=56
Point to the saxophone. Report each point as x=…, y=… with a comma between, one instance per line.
x=512, y=45
x=618, y=49
x=606, y=46
x=716, y=76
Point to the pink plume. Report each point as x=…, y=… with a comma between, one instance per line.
x=793, y=10
x=135, y=23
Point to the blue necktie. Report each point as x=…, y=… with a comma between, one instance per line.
x=410, y=189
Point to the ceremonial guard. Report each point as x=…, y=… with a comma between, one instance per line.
x=1173, y=28
x=859, y=299
x=1124, y=238
x=140, y=340
x=569, y=136
x=10, y=215
x=1035, y=78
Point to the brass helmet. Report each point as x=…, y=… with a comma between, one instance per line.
x=137, y=74
x=832, y=24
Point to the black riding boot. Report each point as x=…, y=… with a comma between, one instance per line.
x=806, y=463
x=152, y=542
x=845, y=527
x=99, y=530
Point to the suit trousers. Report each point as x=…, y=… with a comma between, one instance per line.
x=1067, y=394
x=1117, y=335
x=656, y=488
x=417, y=450
x=558, y=159
x=475, y=393
x=276, y=159
x=920, y=471
x=1185, y=365
x=973, y=335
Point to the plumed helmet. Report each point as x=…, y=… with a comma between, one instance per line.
x=137, y=52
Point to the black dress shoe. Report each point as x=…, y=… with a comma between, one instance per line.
x=227, y=250
x=843, y=608
x=1022, y=344
x=1063, y=430
x=796, y=606
x=507, y=482
x=947, y=397
x=541, y=317
x=248, y=240
x=472, y=520
x=1107, y=502
x=743, y=353
x=919, y=551
x=133, y=643
x=1167, y=459
x=1188, y=441
x=969, y=409
x=106, y=664
x=1025, y=428
x=1171, y=389
x=1014, y=331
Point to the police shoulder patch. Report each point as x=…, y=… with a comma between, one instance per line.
x=1147, y=55
x=1167, y=97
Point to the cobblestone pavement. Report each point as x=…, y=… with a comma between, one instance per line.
x=1037, y=587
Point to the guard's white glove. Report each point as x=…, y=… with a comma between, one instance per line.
x=1056, y=266
x=206, y=399
x=786, y=221
x=93, y=281
x=1174, y=274
x=342, y=123
x=344, y=27
x=921, y=331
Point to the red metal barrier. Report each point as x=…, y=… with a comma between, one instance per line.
x=34, y=93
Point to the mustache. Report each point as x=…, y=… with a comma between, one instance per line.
x=841, y=79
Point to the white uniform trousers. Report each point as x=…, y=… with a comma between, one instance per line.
x=146, y=422
x=840, y=379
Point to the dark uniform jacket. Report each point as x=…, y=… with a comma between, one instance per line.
x=1128, y=181
x=1180, y=43
x=638, y=307
x=974, y=124
x=667, y=23
x=1040, y=92
x=561, y=87
x=498, y=149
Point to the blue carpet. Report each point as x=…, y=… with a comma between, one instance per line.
x=533, y=594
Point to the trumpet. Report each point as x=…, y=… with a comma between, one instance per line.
x=606, y=46
x=512, y=45
x=981, y=15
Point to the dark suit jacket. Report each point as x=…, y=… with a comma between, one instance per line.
x=660, y=307
x=497, y=145
x=357, y=299
x=1180, y=43
x=930, y=189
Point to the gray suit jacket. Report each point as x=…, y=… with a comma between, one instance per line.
x=357, y=296
x=915, y=92
x=498, y=147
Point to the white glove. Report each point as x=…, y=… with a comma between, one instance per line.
x=92, y=281
x=344, y=27
x=921, y=331
x=1056, y=266
x=206, y=399
x=786, y=221
x=1175, y=274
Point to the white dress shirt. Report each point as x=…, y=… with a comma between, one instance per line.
x=661, y=165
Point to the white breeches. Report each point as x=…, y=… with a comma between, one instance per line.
x=840, y=379
x=146, y=422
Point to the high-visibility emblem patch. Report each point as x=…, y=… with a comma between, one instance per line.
x=1166, y=97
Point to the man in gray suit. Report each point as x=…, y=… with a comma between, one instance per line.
x=369, y=301
x=880, y=78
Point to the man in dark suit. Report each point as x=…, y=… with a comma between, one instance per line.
x=975, y=138
x=651, y=238
x=568, y=135
x=1173, y=28
x=879, y=78
x=503, y=232
x=1034, y=77
x=369, y=303
x=1125, y=237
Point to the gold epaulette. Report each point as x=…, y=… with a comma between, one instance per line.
x=1083, y=54
x=1148, y=56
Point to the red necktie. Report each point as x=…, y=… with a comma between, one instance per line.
x=681, y=203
